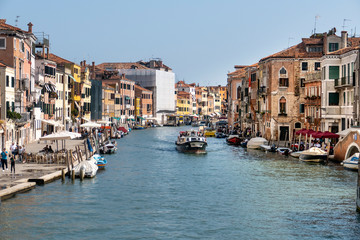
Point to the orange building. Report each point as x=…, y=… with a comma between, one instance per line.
x=145, y=101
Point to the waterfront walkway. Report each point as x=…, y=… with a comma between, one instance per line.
x=26, y=171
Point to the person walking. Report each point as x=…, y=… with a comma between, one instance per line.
x=4, y=155
x=12, y=163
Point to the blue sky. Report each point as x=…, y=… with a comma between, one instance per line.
x=200, y=40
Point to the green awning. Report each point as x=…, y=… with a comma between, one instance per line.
x=72, y=78
x=140, y=118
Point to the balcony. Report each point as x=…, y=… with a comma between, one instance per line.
x=343, y=82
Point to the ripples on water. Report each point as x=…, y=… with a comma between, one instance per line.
x=150, y=191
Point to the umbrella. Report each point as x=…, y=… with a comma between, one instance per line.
x=305, y=131
x=326, y=134
x=91, y=125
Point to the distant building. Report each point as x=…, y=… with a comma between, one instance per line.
x=155, y=76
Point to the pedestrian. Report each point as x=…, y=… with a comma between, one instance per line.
x=23, y=154
x=20, y=152
x=12, y=162
x=13, y=149
x=4, y=155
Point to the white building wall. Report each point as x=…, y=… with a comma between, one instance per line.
x=162, y=84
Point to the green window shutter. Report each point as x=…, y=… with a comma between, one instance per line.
x=302, y=108
x=333, y=72
x=336, y=46
x=333, y=99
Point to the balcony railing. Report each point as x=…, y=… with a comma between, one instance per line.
x=25, y=117
x=343, y=82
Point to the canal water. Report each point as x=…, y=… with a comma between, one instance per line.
x=150, y=191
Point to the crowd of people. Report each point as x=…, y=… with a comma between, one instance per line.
x=16, y=154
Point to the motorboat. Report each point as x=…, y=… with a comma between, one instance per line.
x=283, y=151
x=234, y=140
x=268, y=148
x=88, y=167
x=191, y=142
x=118, y=134
x=108, y=147
x=138, y=127
x=254, y=143
x=209, y=132
x=296, y=154
x=313, y=154
x=123, y=129
x=100, y=161
x=352, y=162
x=220, y=135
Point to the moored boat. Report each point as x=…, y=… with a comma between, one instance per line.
x=234, y=140
x=283, y=151
x=352, y=162
x=254, y=143
x=191, y=142
x=100, y=161
x=296, y=154
x=88, y=167
x=138, y=127
x=108, y=147
x=313, y=154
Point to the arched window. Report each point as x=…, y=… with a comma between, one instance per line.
x=283, y=70
x=283, y=78
x=282, y=105
x=298, y=125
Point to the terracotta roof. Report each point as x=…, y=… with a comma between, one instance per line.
x=141, y=88
x=2, y=65
x=58, y=59
x=237, y=73
x=182, y=84
x=353, y=42
x=344, y=50
x=126, y=65
x=5, y=26
x=312, y=41
x=182, y=93
x=296, y=51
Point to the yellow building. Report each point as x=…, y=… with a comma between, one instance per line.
x=108, y=110
x=137, y=107
x=85, y=100
x=183, y=103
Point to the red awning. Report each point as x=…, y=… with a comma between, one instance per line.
x=326, y=134
x=305, y=131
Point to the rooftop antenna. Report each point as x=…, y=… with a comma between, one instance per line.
x=316, y=18
x=16, y=21
x=345, y=20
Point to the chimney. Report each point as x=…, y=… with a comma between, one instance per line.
x=2, y=20
x=152, y=63
x=344, y=38
x=325, y=47
x=30, y=25
x=93, y=70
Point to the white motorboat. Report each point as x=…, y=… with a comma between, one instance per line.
x=191, y=142
x=313, y=154
x=108, y=147
x=254, y=143
x=352, y=162
x=89, y=167
x=296, y=154
x=283, y=151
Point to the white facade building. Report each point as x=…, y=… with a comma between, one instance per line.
x=338, y=89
